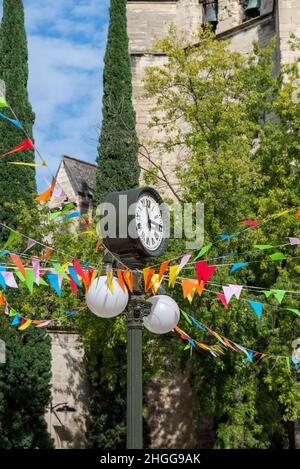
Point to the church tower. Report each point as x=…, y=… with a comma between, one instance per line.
x=241, y=21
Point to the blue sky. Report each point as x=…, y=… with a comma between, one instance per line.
x=66, y=43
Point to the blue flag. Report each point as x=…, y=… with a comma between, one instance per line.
x=257, y=307
x=53, y=279
x=237, y=266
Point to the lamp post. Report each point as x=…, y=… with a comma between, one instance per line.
x=147, y=237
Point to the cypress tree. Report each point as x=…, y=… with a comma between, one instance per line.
x=17, y=182
x=117, y=161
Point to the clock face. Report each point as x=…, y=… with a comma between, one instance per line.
x=149, y=222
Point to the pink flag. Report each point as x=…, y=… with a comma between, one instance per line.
x=6, y=311
x=30, y=243
x=36, y=270
x=10, y=279
x=232, y=290
x=185, y=260
x=294, y=241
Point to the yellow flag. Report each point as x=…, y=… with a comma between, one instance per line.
x=174, y=272
x=25, y=325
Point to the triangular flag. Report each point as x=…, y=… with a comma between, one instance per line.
x=250, y=356
x=155, y=283
x=16, y=320
x=30, y=279
x=2, y=282
x=73, y=285
x=186, y=317
x=26, y=145
x=294, y=241
x=279, y=295
x=173, y=274
x=9, y=279
x=74, y=275
x=72, y=215
x=109, y=276
x=295, y=311
x=18, y=263
x=3, y=102
x=204, y=272
x=36, y=270
x=184, y=260
x=12, y=312
x=277, y=256
x=237, y=290
x=79, y=271
x=45, y=196
x=163, y=269
x=13, y=121
x=200, y=288
x=188, y=286
x=250, y=223
x=43, y=324
x=121, y=280
x=128, y=277
x=47, y=255
x=25, y=325
x=53, y=279
x=2, y=300
x=257, y=307
x=263, y=246
x=267, y=293
x=225, y=236
x=30, y=244
x=12, y=236
x=237, y=266
x=203, y=251
x=60, y=269
x=221, y=297
x=148, y=273
x=298, y=214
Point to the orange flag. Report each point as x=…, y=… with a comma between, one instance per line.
x=48, y=252
x=26, y=145
x=120, y=279
x=2, y=300
x=45, y=196
x=148, y=274
x=188, y=286
x=18, y=263
x=128, y=277
x=298, y=214
x=163, y=268
x=200, y=287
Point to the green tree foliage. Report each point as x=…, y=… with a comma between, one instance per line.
x=24, y=389
x=239, y=126
x=17, y=182
x=117, y=161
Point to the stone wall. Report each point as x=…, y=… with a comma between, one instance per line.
x=68, y=386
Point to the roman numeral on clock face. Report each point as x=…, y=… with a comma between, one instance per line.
x=149, y=222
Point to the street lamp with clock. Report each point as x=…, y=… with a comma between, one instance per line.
x=134, y=226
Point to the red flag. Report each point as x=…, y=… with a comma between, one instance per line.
x=221, y=297
x=250, y=223
x=73, y=285
x=26, y=145
x=204, y=271
x=79, y=270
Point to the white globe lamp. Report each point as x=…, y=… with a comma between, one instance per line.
x=102, y=302
x=164, y=315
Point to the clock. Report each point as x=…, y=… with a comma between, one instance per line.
x=141, y=230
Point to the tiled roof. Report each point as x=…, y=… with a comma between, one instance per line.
x=82, y=174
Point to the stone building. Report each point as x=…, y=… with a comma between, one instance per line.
x=76, y=178
x=243, y=21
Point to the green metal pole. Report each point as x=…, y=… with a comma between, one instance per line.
x=134, y=377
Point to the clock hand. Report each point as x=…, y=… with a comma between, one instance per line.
x=149, y=221
x=155, y=223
